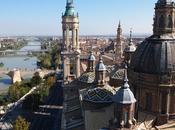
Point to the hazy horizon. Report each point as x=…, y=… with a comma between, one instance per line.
x=43, y=17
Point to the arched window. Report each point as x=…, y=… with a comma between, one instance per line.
x=161, y=22
x=170, y=21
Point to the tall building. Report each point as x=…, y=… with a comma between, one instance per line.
x=118, y=45
x=153, y=65
x=71, y=52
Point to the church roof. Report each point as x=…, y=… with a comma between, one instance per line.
x=117, y=73
x=124, y=95
x=100, y=95
x=87, y=77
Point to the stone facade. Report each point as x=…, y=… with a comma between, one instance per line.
x=154, y=97
x=96, y=119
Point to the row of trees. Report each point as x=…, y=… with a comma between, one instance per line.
x=33, y=101
x=52, y=59
x=17, y=90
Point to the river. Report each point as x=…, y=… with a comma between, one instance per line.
x=19, y=62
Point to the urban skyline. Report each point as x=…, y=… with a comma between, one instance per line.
x=43, y=17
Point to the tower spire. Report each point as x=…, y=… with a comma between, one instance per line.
x=70, y=11
x=69, y=1
x=130, y=38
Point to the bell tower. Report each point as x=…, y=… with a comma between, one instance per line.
x=70, y=27
x=118, y=46
x=164, y=20
x=71, y=50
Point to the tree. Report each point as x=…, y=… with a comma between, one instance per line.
x=46, y=60
x=36, y=80
x=21, y=124
x=57, y=59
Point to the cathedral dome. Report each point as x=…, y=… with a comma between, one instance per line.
x=155, y=55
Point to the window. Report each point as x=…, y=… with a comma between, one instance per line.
x=161, y=22
x=170, y=22
x=125, y=117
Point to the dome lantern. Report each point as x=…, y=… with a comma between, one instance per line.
x=164, y=17
x=91, y=62
x=100, y=72
x=130, y=49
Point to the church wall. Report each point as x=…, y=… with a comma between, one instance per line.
x=148, y=100
x=96, y=119
x=172, y=102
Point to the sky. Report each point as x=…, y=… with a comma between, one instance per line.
x=97, y=17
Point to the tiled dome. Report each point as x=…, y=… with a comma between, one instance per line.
x=87, y=77
x=100, y=95
x=117, y=73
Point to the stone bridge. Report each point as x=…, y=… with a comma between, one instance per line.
x=17, y=74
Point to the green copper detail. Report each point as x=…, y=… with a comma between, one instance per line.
x=69, y=8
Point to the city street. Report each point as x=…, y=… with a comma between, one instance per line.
x=49, y=115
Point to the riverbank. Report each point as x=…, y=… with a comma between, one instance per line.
x=3, y=91
x=23, y=63
x=13, y=45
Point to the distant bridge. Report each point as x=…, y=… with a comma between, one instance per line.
x=21, y=53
